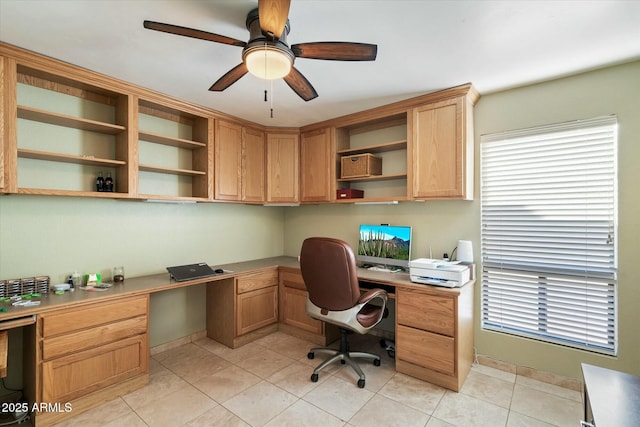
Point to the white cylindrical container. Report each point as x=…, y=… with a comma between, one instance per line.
x=465, y=251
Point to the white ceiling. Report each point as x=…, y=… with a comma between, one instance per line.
x=423, y=46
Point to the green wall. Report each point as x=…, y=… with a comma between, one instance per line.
x=56, y=235
x=440, y=224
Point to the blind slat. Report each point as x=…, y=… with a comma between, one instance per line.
x=548, y=212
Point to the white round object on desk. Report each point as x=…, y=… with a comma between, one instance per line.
x=61, y=287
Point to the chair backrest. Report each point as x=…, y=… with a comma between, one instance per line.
x=330, y=274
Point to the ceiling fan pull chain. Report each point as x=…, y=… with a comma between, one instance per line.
x=271, y=112
x=265, y=95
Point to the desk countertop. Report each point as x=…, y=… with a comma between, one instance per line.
x=161, y=282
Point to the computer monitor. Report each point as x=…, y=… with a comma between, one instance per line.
x=388, y=245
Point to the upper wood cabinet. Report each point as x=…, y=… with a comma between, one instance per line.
x=317, y=167
x=253, y=165
x=283, y=168
x=443, y=150
x=239, y=163
x=228, y=161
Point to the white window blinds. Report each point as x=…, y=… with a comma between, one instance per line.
x=548, y=202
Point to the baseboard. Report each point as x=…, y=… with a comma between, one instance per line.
x=178, y=343
x=546, y=377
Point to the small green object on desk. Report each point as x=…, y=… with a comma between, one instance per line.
x=5, y=299
x=3, y=309
x=27, y=296
x=36, y=294
x=59, y=292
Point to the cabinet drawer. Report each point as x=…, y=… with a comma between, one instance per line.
x=262, y=279
x=292, y=280
x=78, y=374
x=428, y=312
x=426, y=349
x=93, y=337
x=72, y=320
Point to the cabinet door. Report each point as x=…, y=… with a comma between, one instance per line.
x=317, y=167
x=295, y=311
x=228, y=161
x=253, y=164
x=439, y=151
x=282, y=168
x=73, y=376
x=256, y=309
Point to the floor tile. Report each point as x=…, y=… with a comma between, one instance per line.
x=488, y=388
x=258, y=404
x=99, y=416
x=550, y=388
x=519, y=420
x=303, y=414
x=225, y=384
x=160, y=384
x=296, y=379
x=462, y=410
x=217, y=417
x=129, y=420
x=413, y=392
x=264, y=363
x=176, y=408
x=338, y=397
x=384, y=412
x=287, y=345
x=545, y=406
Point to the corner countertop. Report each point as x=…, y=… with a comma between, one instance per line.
x=145, y=285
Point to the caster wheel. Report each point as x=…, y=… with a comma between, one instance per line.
x=343, y=361
x=310, y=355
x=361, y=383
x=314, y=378
x=376, y=362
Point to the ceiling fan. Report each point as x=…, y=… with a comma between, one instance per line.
x=267, y=53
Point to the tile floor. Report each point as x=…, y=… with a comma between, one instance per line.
x=266, y=383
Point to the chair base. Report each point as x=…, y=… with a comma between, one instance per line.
x=345, y=356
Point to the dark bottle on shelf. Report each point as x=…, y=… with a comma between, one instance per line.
x=99, y=182
x=108, y=183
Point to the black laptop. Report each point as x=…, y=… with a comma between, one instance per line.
x=180, y=273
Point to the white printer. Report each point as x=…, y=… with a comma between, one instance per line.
x=439, y=273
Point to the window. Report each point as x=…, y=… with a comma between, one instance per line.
x=548, y=202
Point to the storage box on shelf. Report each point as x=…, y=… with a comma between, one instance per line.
x=380, y=149
x=67, y=132
x=175, y=153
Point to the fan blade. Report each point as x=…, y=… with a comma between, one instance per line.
x=300, y=85
x=336, y=51
x=229, y=78
x=273, y=16
x=190, y=32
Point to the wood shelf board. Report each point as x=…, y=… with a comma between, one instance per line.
x=167, y=140
x=57, y=119
x=378, y=148
x=74, y=193
x=375, y=178
x=373, y=200
x=68, y=158
x=162, y=197
x=175, y=171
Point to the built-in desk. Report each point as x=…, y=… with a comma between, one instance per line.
x=611, y=398
x=86, y=331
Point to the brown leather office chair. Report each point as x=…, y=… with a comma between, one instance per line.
x=329, y=271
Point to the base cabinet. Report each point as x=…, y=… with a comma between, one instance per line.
x=242, y=309
x=293, y=313
x=434, y=335
x=90, y=354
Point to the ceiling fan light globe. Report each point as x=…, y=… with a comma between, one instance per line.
x=268, y=64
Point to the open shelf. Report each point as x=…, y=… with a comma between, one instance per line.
x=52, y=118
x=68, y=158
x=174, y=171
x=378, y=148
x=375, y=178
x=167, y=140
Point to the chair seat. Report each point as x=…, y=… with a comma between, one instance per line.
x=369, y=315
